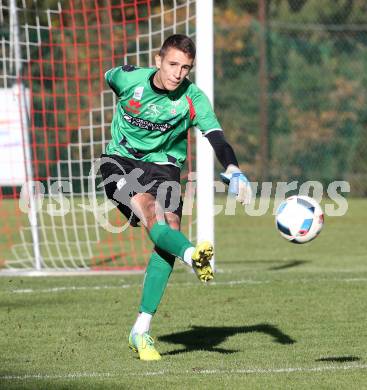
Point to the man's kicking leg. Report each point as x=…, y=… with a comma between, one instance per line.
x=165, y=234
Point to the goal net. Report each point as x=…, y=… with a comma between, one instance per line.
x=55, y=111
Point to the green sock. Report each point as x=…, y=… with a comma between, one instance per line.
x=156, y=277
x=169, y=240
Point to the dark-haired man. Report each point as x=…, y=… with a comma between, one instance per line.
x=156, y=108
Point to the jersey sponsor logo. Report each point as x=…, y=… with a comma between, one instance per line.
x=147, y=125
x=133, y=106
x=138, y=93
x=175, y=103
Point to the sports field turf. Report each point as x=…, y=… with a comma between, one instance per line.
x=278, y=316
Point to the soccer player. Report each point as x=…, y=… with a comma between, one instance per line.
x=141, y=167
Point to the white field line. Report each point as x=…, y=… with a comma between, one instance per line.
x=285, y=370
x=71, y=288
x=57, y=376
x=260, y=371
x=189, y=284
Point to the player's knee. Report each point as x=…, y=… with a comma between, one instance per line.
x=149, y=213
x=173, y=221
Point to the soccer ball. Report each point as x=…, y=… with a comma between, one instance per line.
x=299, y=219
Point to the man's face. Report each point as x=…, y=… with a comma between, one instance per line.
x=172, y=69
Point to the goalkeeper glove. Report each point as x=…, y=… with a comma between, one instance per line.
x=238, y=184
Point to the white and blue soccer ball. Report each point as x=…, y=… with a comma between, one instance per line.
x=299, y=219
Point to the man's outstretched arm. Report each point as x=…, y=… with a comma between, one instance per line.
x=236, y=180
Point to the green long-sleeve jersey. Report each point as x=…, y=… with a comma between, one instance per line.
x=151, y=124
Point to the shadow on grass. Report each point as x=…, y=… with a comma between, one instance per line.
x=208, y=338
x=289, y=264
x=338, y=359
x=278, y=264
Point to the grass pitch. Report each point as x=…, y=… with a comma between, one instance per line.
x=279, y=315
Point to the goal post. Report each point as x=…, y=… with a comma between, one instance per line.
x=58, y=57
x=204, y=152
x=23, y=103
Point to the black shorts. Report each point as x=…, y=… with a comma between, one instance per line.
x=124, y=177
